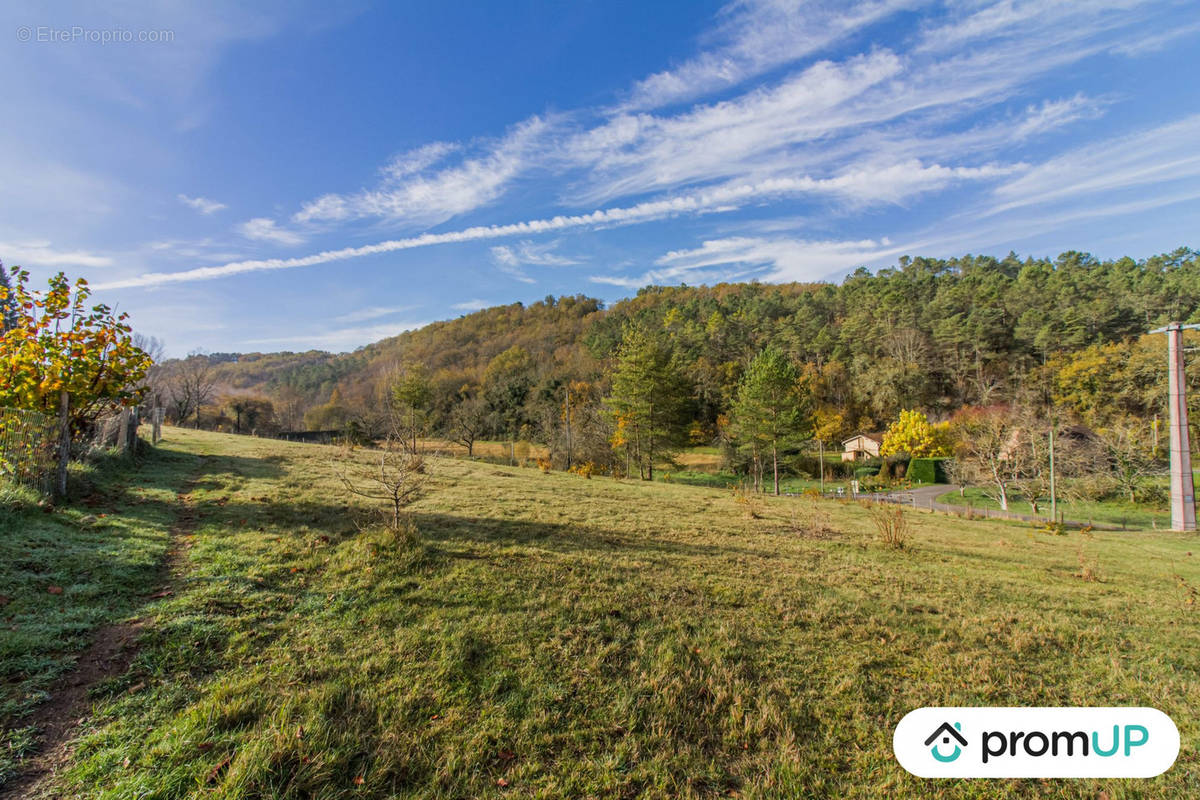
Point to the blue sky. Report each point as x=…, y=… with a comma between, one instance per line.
x=297, y=176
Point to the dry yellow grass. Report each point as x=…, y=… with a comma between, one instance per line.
x=604, y=638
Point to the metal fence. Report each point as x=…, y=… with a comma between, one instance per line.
x=28, y=448
x=976, y=512
x=31, y=442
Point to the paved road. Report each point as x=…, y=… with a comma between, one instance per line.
x=926, y=497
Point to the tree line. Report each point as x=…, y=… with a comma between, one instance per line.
x=624, y=386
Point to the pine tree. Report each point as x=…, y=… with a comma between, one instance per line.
x=649, y=401
x=770, y=411
x=412, y=395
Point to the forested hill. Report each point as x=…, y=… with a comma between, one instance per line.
x=928, y=333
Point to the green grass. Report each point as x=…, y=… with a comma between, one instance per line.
x=1112, y=512
x=600, y=638
x=724, y=479
x=66, y=571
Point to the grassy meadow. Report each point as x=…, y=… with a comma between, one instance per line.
x=551, y=636
x=66, y=571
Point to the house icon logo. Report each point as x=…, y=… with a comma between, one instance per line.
x=945, y=732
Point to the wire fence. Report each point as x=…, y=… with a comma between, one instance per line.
x=116, y=431
x=28, y=448
x=968, y=511
x=31, y=442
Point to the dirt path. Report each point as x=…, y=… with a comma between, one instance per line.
x=110, y=654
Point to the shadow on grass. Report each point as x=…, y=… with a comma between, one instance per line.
x=567, y=538
x=66, y=570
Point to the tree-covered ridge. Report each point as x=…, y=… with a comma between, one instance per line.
x=931, y=334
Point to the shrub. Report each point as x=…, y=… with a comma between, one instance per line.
x=927, y=470
x=893, y=467
x=1152, y=494
x=805, y=464
x=583, y=470
x=890, y=522
x=871, y=483
x=863, y=473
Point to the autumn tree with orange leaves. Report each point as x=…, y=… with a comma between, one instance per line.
x=58, y=342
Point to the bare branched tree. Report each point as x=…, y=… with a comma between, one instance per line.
x=987, y=439
x=151, y=346
x=1129, y=451
x=467, y=420
x=190, y=384
x=392, y=475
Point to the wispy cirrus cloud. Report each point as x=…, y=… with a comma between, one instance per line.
x=972, y=23
x=1053, y=114
x=411, y=194
x=510, y=258
x=772, y=259
x=201, y=204
x=756, y=36
x=372, y=312
x=43, y=253
x=471, y=305
x=904, y=180
x=418, y=160
x=264, y=229
x=945, y=105
x=1165, y=156
x=341, y=339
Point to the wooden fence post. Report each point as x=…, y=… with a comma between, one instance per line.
x=123, y=431
x=64, y=443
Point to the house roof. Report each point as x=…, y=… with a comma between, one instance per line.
x=874, y=437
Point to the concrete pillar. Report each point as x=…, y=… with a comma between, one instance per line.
x=1183, y=493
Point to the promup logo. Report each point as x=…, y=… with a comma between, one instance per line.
x=1036, y=742
x=946, y=733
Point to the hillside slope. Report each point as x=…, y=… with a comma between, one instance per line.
x=934, y=334
x=550, y=636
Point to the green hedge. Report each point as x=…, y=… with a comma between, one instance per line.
x=927, y=470
x=865, y=472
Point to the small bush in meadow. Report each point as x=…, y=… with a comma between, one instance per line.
x=891, y=523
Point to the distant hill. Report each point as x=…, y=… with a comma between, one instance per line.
x=928, y=333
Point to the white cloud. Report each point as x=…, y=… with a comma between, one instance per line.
x=201, y=204
x=408, y=195
x=265, y=230
x=1158, y=156
x=373, y=312
x=976, y=22
x=856, y=127
x=832, y=117
x=1052, y=114
x=528, y=252
x=418, y=160
x=342, y=339
x=1155, y=43
x=750, y=135
x=42, y=253
x=884, y=126
x=902, y=179
x=759, y=35
x=773, y=259
x=471, y=305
